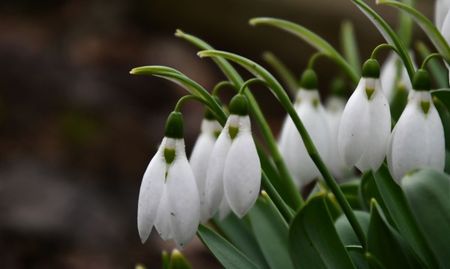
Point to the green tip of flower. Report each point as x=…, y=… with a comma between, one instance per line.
x=178, y=32
x=421, y=80
x=308, y=80
x=174, y=125
x=239, y=105
x=371, y=69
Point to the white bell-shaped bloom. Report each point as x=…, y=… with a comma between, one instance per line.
x=365, y=126
x=168, y=198
x=234, y=170
x=388, y=76
x=334, y=108
x=200, y=158
x=292, y=148
x=441, y=9
x=417, y=140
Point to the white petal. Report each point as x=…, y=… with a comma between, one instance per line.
x=224, y=209
x=388, y=75
x=150, y=193
x=285, y=129
x=163, y=222
x=199, y=162
x=445, y=29
x=379, y=132
x=441, y=9
x=214, y=176
x=417, y=141
x=242, y=172
x=183, y=198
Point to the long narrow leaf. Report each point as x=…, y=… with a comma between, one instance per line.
x=349, y=45
x=283, y=71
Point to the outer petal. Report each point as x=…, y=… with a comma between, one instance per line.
x=284, y=133
x=242, y=173
x=214, y=175
x=441, y=9
x=417, y=141
x=199, y=162
x=379, y=132
x=163, y=223
x=183, y=198
x=224, y=209
x=150, y=193
x=354, y=126
x=388, y=75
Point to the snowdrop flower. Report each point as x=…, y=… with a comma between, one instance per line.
x=366, y=122
x=441, y=9
x=388, y=77
x=313, y=116
x=168, y=198
x=445, y=29
x=234, y=171
x=334, y=108
x=201, y=153
x=418, y=138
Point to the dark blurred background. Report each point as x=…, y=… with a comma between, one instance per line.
x=77, y=131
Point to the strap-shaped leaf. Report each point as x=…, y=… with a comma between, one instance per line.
x=314, y=242
x=427, y=26
x=443, y=95
x=229, y=256
x=311, y=38
x=283, y=71
x=349, y=45
x=389, y=35
x=428, y=192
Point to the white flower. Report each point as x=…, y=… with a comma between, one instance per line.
x=388, y=76
x=445, y=29
x=418, y=137
x=200, y=157
x=365, y=125
x=234, y=169
x=334, y=108
x=313, y=116
x=168, y=198
x=441, y=9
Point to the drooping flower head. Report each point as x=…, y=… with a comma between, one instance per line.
x=313, y=116
x=168, y=197
x=366, y=122
x=417, y=140
x=210, y=130
x=233, y=177
x=394, y=77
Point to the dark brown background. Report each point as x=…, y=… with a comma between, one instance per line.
x=77, y=131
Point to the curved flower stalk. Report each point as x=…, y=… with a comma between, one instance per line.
x=441, y=9
x=366, y=122
x=389, y=79
x=210, y=129
x=234, y=170
x=334, y=108
x=168, y=197
x=310, y=110
x=417, y=140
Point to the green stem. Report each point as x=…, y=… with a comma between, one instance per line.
x=284, y=100
x=186, y=98
x=439, y=72
x=249, y=82
x=292, y=195
x=314, y=58
x=285, y=210
x=429, y=57
x=380, y=47
x=221, y=85
x=282, y=70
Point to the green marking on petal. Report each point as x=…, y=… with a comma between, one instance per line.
x=233, y=131
x=315, y=102
x=369, y=92
x=425, y=105
x=169, y=155
x=216, y=134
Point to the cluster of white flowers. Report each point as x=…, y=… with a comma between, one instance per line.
x=223, y=175
x=359, y=134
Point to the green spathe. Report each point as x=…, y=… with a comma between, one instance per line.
x=239, y=105
x=421, y=80
x=308, y=80
x=174, y=125
x=371, y=69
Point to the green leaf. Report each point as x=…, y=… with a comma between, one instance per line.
x=345, y=230
x=313, y=240
x=241, y=236
x=349, y=46
x=311, y=38
x=399, y=100
x=400, y=215
x=405, y=25
x=283, y=71
x=178, y=261
x=387, y=244
x=228, y=255
x=389, y=35
x=428, y=192
x=444, y=114
x=351, y=193
x=165, y=260
x=443, y=95
x=271, y=232
x=427, y=26
x=436, y=67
